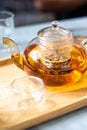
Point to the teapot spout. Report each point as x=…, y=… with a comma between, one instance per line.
x=16, y=57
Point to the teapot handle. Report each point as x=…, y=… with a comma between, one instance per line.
x=84, y=43
x=34, y=40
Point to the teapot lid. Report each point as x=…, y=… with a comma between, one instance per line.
x=55, y=33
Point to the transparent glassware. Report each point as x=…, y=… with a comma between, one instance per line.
x=29, y=92
x=56, y=56
x=6, y=30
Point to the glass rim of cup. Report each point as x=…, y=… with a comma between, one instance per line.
x=11, y=15
x=40, y=83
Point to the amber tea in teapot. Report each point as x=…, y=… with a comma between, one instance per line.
x=55, y=56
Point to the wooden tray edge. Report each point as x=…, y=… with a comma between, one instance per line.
x=52, y=115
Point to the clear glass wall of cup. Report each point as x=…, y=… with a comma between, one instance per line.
x=6, y=30
x=29, y=91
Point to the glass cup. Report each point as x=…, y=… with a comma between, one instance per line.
x=6, y=30
x=29, y=91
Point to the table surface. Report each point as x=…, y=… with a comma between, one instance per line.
x=76, y=120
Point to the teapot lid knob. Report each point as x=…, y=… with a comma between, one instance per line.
x=55, y=24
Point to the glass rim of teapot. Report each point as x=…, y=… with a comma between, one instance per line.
x=66, y=35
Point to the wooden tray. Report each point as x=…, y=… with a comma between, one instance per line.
x=60, y=100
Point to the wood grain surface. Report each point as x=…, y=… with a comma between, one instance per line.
x=60, y=100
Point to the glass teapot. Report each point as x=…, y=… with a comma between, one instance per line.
x=55, y=56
